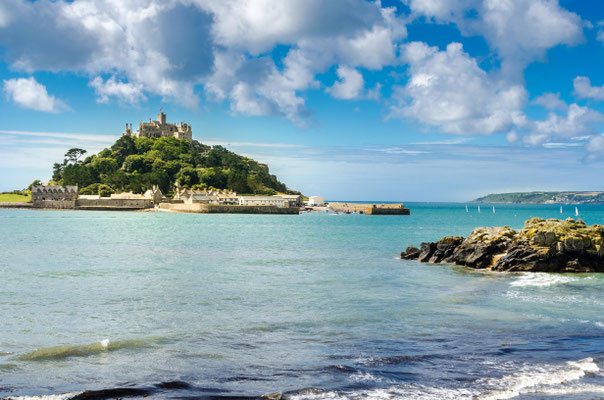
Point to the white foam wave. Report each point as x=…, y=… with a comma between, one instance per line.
x=62, y=396
x=407, y=392
x=548, y=380
x=540, y=379
x=540, y=279
x=365, y=377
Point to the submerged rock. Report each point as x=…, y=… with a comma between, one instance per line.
x=542, y=245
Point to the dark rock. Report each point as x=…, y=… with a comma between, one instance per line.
x=426, y=251
x=411, y=253
x=542, y=245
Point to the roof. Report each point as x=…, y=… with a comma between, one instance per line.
x=54, y=189
x=261, y=198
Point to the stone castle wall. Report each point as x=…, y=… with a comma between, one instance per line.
x=56, y=204
x=112, y=203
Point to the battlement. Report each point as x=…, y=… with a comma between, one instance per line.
x=161, y=128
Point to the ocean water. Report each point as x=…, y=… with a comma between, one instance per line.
x=316, y=306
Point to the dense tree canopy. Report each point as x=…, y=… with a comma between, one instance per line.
x=139, y=163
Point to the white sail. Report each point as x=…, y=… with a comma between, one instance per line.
x=560, y=209
x=466, y=208
x=576, y=212
x=493, y=209
x=479, y=208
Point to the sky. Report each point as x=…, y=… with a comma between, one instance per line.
x=398, y=100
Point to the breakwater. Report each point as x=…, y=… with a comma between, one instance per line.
x=220, y=209
x=370, y=209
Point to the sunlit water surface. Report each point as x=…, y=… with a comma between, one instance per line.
x=315, y=306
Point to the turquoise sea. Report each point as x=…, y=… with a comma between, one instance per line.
x=316, y=306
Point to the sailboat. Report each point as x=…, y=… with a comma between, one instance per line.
x=479, y=208
x=560, y=209
x=493, y=209
x=576, y=212
x=466, y=208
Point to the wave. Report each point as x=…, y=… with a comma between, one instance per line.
x=63, y=396
x=542, y=380
x=546, y=380
x=59, y=352
x=540, y=279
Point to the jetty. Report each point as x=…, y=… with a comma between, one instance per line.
x=369, y=209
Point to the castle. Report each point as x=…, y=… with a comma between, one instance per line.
x=160, y=128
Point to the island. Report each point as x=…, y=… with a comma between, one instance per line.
x=541, y=246
x=160, y=167
x=594, y=197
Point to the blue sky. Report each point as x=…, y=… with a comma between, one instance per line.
x=402, y=100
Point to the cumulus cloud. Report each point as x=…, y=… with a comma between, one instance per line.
x=577, y=121
x=550, y=101
x=28, y=93
x=350, y=85
x=126, y=92
x=584, y=90
x=519, y=30
x=449, y=90
x=595, y=147
x=169, y=48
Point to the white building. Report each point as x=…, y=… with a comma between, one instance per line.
x=263, y=201
x=316, y=201
x=294, y=200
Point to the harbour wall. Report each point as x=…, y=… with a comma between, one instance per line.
x=218, y=209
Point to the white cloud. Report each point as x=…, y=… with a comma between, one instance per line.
x=550, y=101
x=595, y=147
x=519, y=30
x=126, y=92
x=576, y=122
x=28, y=93
x=448, y=89
x=352, y=33
x=350, y=85
x=584, y=90
x=512, y=137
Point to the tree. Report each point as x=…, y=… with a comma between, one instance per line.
x=122, y=148
x=34, y=183
x=105, y=190
x=105, y=165
x=187, y=177
x=57, y=172
x=237, y=181
x=73, y=155
x=136, y=162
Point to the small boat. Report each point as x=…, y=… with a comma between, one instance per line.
x=576, y=212
x=466, y=208
x=560, y=209
x=479, y=208
x=493, y=209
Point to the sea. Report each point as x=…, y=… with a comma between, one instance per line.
x=107, y=305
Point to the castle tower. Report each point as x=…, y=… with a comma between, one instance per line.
x=161, y=118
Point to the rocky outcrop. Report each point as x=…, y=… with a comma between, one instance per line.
x=542, y=245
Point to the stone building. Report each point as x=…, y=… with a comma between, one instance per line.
x=54, y=196
x=160, y=128
x=263, y=201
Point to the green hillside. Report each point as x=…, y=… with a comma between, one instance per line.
x=139, y=163
x=544, y=198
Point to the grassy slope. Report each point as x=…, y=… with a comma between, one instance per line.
x=14, y=198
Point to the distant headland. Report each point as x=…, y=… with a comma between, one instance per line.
x=594, y=197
